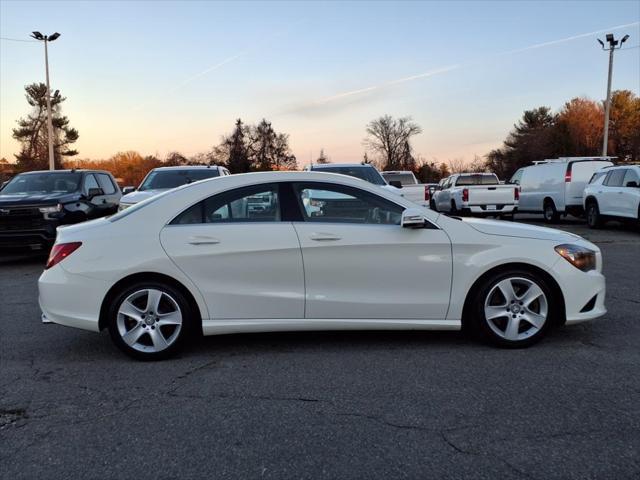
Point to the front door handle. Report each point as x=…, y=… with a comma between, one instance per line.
x=203, y=240
x=323, y=237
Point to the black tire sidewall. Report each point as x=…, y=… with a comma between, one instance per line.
x=481, y=326
x=554, y=215
x=185, y=332
x=596, y=214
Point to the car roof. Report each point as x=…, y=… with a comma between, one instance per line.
x=340, y=165
x=68, y=170
x=190, y=167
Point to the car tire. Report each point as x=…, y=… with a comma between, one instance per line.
x=150, y=320
x=453, y=209
x=513, y=309
x=550, y=212
x=594, y=219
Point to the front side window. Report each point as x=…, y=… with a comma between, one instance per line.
x=329, y=203
x=403, y=178
x=256, y=203
x=517, y=177
x=90, y=182
x=105, y=183
x=615, y=177
x=631, y=176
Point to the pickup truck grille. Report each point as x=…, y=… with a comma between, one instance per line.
x=12, y=219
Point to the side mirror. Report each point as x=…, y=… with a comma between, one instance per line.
x=126, y=190
x=395, y=183
x=94, y=192
x=413, y=218
x=632, y=184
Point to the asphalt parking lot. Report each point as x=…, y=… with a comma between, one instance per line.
x=329, y=405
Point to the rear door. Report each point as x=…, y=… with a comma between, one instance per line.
x=359, y=263
x=610, y=201
x=631, y=195
x=244, y=259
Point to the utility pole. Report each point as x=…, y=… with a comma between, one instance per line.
x=613, y=45
x=46, y=39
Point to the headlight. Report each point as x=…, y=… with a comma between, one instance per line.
x=580, y=257
x=122, y=206
x=51, y=209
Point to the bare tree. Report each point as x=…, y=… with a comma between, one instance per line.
x=389, y=139
x=457, y=165
x=478, y=165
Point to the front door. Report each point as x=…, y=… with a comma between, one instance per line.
x=360, y=263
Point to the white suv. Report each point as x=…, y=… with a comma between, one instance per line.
x=613, y=192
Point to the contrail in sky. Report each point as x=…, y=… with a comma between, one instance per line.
x=437, y=71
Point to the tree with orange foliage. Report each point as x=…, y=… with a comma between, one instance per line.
x=579, y=127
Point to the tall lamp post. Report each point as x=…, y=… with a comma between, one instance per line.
x=613, y=45
x=46, y=39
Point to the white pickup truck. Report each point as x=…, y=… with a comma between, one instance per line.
x=478, y=194
x=410, y=188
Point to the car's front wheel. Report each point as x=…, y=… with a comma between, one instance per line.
x=149, y=321
x=514, y=309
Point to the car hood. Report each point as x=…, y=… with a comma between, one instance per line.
x=521, y=230
x=138, y=196
x=27, y=199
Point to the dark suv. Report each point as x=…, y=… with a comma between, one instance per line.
x=33, y=204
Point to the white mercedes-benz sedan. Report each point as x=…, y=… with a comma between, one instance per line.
x=258, y=252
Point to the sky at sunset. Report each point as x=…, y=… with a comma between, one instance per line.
x=162, y=76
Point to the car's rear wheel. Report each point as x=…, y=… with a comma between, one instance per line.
x=594, y=219
x=454, y=209
x=549, y=211
x=514, y=309
x=150, y=321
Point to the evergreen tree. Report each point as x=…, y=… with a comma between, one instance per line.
x=33, y=135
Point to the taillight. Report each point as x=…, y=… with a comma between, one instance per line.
x=426, y=194
x=61, y=251
x=516, y=193
x=567, y=175
x=465, y=194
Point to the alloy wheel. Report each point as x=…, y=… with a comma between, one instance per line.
x=516, y=308
x=149, y=320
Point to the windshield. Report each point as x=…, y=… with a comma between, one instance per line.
x=30, y=183
x=403, y=178
x=163, y=179
x=479, y=179
x=368, y=174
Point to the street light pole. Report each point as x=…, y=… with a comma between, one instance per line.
x=613, y=43
x=46, y=39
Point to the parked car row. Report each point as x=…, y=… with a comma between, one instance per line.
x=34, y=204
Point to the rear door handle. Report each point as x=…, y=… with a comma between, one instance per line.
x=323, y=237
x=203, y=240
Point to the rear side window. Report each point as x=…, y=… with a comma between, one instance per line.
x=615, y=177
x=105, y=183
x=256, y=203
x=597, y=176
